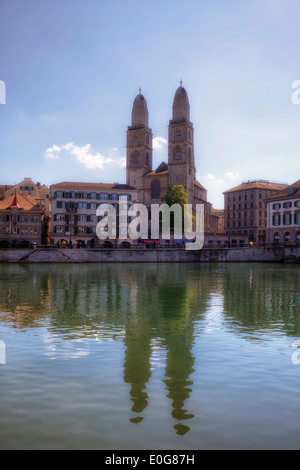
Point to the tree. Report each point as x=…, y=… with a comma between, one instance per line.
x=176, y=195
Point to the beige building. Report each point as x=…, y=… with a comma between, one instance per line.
x=3, y=188
x=22, y=221
x=283, y=222
x=28, y=188
x=152, y=184
x=246, y=211
x=220, y=213
x=73, y=211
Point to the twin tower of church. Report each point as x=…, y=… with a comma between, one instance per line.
x=180, y=169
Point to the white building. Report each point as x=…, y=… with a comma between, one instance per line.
x=73, y=211
x=283, y=216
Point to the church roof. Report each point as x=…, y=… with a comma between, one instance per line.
x=199, y=185
x=162, y=169
x=139, y=113
x=181, y=105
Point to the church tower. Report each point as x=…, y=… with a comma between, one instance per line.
x=181, y=160
x=139, y=144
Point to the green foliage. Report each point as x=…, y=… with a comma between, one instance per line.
x=175, y=195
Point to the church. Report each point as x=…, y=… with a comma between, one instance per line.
x=151, y=185
x=74, y=204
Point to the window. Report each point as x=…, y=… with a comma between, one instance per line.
x=287, y=219
x=114, y=197
x=276, y=220
x=177, y=154
x=286, y=205
x=297, y=203
x=104, y=196
x=155, y=190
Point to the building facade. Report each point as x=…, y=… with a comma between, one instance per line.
x=73, y=211
x=22, y=220
x=245, y=214
x=283, y=222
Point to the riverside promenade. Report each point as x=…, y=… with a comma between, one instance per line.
x=157, y=255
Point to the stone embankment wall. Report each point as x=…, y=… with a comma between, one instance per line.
x=53, y=255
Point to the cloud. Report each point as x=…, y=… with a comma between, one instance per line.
x=158, y=142
x=52, y=152
x=84, y=156
x=232, y=175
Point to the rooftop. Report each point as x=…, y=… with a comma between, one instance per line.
x=18, y=201
x=99, y=186
x=258, y=184
x=290, y=192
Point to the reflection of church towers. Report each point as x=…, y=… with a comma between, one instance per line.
x=139, y=144
x=181, y=144
x=178, y=342
x=137, y=367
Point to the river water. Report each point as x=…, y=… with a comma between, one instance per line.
x=150, y=356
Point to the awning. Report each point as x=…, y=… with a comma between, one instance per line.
x=151, y=242
x=183, y=241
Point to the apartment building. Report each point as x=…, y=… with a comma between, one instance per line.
x=73, y=211
x=21, y=221
x=245, y=214
x=283, y=222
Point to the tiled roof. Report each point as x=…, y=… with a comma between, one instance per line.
x=267, y=185
x=289, y=192
x=104, y=186
x=26, y=203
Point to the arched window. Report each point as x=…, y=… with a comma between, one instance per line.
x=155, y=189
x=134, y=159
x=177, y=153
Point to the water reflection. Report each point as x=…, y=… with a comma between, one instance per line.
x=148, y=306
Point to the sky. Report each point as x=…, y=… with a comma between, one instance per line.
x=72, y=69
